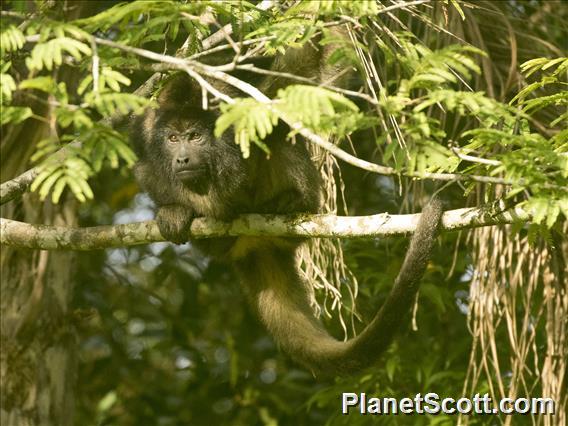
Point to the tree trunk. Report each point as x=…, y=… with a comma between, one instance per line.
x=37, y=337
x=38, y=341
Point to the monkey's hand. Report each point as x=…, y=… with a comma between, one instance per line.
x=174, y=222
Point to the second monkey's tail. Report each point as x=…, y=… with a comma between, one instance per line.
x=279, y=296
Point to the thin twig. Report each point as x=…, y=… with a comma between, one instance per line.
x=227, y=46
x=402, y=5
x=473, y=159
x=252, y=68
x=95, y=70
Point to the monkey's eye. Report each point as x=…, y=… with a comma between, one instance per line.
x=195, y=136
x=173, y=138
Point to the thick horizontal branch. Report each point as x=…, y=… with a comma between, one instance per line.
x=24, y=235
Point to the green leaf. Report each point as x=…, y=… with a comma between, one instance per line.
x=7, y=86
x=457, y=6
x=45, y=55
x=44, y=83
x=45, y=148
x=252, y=122
x=107, y=402
x=48, y=183
x=315, y=107
x=391, y=367
x=113, y=79
x=15, y=115
x=110, y=103
x=58, y=189
x=11, y=39
x=85, y=83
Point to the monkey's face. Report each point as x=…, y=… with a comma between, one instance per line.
x=188, y=145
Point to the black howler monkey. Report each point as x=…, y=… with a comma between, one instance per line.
x=189, y=173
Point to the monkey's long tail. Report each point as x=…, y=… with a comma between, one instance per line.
x=279, y=296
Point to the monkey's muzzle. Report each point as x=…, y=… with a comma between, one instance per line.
x=192, y=177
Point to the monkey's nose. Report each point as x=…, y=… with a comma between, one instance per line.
x=182, y=160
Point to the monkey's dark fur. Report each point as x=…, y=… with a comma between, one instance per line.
x=190, y=173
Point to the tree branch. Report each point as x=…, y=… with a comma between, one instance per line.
x=24, y=235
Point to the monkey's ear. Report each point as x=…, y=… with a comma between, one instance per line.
x=178, y=91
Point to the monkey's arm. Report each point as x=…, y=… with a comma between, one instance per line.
x=173, y=218
x=174, y=222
